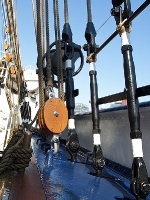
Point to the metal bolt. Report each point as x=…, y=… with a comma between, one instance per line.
x=56, y=113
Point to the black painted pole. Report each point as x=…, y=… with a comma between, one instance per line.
x=90, y=47
x=139, y=184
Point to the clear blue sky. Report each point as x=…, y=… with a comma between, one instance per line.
x=110, y=63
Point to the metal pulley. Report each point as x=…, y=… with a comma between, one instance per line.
x=53, y=117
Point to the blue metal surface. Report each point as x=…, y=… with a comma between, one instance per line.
x=63, y=180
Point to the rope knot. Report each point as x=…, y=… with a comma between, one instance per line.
x=121, y=28
x=91, y=58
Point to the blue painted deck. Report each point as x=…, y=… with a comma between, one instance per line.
x=63, y=180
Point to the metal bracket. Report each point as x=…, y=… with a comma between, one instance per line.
x=72, y=144
x=98, y=160
x=139, y=185
x=119, y=14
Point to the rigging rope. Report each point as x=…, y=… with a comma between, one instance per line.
x=3, y=13
x=2, y=31
x=4, y=35
x=39, y=50
x=89, y=11
x=14, y=155
x=13, y=32
x=66, y=11
x=58, y=51
x=90, y=15
x=104, y=23
x=49, y=74
x=42, y=27
x=34, y=17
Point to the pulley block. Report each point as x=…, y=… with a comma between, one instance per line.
x=8, y=57
x=6, y=46
x=13, y=69
x=53, y=117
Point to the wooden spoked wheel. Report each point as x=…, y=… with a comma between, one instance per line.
x=54, y=116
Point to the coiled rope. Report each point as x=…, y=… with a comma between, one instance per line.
x=14, y=156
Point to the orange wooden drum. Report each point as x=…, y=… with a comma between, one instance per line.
x=54, y=116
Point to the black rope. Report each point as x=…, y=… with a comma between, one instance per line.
x=89, y=11
x=66, y=11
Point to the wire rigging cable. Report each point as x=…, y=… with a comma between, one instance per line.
x=90, y=15
x=103, y=23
